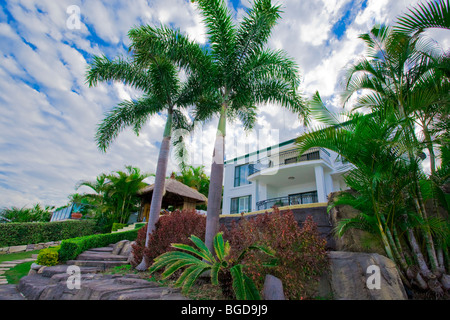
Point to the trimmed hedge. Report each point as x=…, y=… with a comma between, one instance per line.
x=71, y=248
x=16, y=234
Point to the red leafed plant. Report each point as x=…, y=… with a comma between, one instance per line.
x=301, y=251
x=175, y=227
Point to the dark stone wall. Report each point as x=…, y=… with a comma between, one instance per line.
x=319, y=215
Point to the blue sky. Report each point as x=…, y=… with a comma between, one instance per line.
x=48, y=116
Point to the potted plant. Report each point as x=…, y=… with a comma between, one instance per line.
x=76, y=215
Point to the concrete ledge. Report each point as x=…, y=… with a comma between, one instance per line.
x=296, y=206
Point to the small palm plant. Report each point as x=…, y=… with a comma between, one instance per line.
x=197, y=261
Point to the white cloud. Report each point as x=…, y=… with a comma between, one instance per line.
x=48, y=115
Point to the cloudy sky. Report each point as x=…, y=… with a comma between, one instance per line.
x=48, y=115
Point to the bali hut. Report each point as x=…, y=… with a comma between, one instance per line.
x=176, y=195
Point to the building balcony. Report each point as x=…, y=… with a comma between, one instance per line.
x=287, y=158
x=301, y=198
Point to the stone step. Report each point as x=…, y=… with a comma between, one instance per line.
x=103, y=265
x=10, y=292
x=103, y=249
x=96, y=256
x=49, y=272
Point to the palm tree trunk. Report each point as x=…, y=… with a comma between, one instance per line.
x=158, y=189
x=216, y=182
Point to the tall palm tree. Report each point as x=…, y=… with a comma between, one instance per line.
x=398, y=83
x=232, y=75
x=163, y=92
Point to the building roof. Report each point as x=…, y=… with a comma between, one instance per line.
x=176, y=187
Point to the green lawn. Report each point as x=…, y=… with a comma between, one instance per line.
x=13, y=275
x=17, y=256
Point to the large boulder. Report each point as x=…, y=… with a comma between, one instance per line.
x=354, y=240
x=362, y=276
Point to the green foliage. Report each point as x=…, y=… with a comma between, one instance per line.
x=115, y=196
x=14, y=234
x=196, y=261
x=34, y=214
x=116, y=226
x=71, y=248
x=48, y=257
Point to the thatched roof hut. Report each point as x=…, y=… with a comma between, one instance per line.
x=176, y=194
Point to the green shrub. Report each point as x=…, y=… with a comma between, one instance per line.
x=116, y=226
x=48, y=257
x=15, y=234
x=71, y=248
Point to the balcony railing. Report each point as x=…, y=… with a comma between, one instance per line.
x=288, y=157
x=300, y=198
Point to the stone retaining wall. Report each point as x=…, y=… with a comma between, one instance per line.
x=29, y=247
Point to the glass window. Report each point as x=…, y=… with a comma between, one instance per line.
x=241, y=204
x=241, y=173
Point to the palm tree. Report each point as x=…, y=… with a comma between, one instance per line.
x=163, y=91
x=194, y=177
x=433, y=14
x=399, y=84
x=115, y=196
x=230, y=76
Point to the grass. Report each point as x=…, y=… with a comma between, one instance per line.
x=14, y=275
x=17, y=255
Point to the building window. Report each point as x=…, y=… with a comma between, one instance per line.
x=241, y=173
x=303, y=198
x=241, y=204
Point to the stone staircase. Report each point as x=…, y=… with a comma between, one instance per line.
x=100, y=258
x=127, y=228
x=51, y=283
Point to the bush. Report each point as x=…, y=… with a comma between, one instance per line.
x=301, y=252
x=48, y=257
x=15, y=234
x=116, y=226
x=175, y=227
x=71, y=248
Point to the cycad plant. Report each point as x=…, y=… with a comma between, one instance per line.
x=230, y=76
x=199, y=260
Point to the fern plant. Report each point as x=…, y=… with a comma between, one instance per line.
x=199, y=260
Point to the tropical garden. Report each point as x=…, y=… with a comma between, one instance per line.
x=399, y=120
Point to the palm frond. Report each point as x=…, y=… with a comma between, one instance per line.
x=432, y=14
x=103, y=69
x=128, y=113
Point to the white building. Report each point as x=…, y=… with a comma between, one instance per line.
x=279, y=176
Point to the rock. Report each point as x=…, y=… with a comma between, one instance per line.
x=131, y=259
x=126, y=250
x=9, y=292
x=354, y=276
x=354, y=240
x=35, y=266
x=118, y=247
x=17, y=249
x=273, y=288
